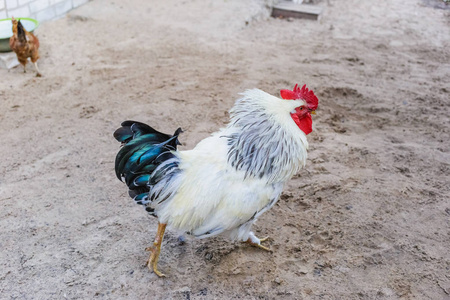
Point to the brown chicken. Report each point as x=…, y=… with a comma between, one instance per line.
x=25, y=45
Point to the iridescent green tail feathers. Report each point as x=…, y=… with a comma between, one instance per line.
x=143, y=150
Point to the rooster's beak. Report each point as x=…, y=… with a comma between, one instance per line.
x=313, y=112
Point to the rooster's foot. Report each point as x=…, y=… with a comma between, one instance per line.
x=152, y=262
x=254, y=241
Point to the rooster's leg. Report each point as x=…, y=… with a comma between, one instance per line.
x=152, y=262
x=254, y=241
x=37, y=70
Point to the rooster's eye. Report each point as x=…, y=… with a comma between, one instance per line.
x=301, y=108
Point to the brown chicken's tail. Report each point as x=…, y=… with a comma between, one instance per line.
x=21, y=33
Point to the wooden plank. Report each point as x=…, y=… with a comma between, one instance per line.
x=288, y=9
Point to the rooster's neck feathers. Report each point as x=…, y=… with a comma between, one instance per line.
x=263, y=140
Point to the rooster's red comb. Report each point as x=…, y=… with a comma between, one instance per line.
x=301, y=93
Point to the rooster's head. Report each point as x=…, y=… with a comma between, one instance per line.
x=302, y=113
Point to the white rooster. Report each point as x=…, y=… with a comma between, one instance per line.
x=229, y=179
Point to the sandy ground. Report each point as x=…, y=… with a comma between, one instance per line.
x=368, y=218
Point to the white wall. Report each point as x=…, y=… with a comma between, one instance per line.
x=41, y=10
x=2, y=9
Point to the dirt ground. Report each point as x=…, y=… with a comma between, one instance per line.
x=368, y=218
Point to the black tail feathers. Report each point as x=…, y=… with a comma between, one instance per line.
x=144, y=149
x=21, y=32
x=133, y=129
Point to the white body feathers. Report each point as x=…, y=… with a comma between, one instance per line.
x=233, y=176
